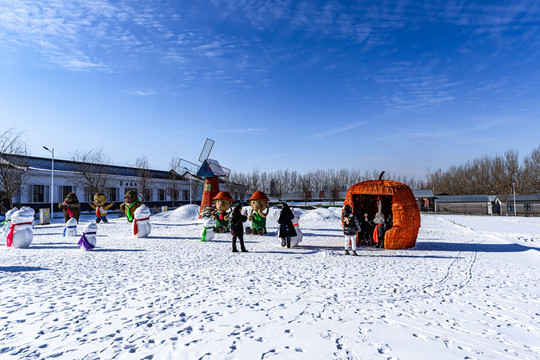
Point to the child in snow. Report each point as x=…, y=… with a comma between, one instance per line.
x=350, y=227
x=286, y=227
x=237, y=227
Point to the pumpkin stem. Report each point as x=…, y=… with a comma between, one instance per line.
x=380, y=176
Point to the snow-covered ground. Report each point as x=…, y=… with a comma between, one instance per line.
x=468, y=290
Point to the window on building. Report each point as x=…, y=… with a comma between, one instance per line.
x=510, y=207
x=38, y=193
x=64, y=190
x=175, y=194
x=147, y=195
x=186, y=194
x=112, y=194
x=161, y=195
x=527, y=207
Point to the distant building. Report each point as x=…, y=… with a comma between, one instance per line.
x=425, y=199
x=524, y=205
x=463, y=204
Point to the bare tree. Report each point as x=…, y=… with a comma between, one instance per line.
x=13, y=160
x=173, y=187
x=94, y=170
x=532, y=171
x=144, y=176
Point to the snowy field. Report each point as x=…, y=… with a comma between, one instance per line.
x=468, y=290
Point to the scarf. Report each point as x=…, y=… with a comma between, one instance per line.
x=135, y=228
x=203, y=238
x=68, y=210
x=128, y=206
x=69, y=227
x=84, y=241
x=376, y=234
x=9, y=237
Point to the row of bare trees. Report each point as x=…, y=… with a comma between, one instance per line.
x=281, y=182
x=490, y=175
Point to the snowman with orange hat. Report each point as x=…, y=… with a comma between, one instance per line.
x=223, y=202
x=259, y=204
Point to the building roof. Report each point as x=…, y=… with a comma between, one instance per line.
x=520, y=198
x=38, y=163
x=422, y=194
x=461, y=198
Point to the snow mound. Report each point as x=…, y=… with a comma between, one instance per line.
x=321, y=215
x=185, y=212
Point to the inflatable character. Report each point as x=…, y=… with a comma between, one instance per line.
x=223, y=205
x=71, y=228
x=100, y=207
x=259, y=203
x=299, y=236
x=88, y=239
x=130, y=204
x=7, y=222
x=141, y=222
x=207, y=233
x=70, y=207
x=20, y=233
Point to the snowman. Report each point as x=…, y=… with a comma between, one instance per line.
x=298, y=238
x=141, y=222
x=207, y=233
x=7, y=222
x=88, y=239
x=20, y=233
x=71, y=228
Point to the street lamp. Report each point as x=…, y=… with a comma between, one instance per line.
x=52, y=179
x=514, y=190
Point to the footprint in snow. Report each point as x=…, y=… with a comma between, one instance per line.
x=383, y=349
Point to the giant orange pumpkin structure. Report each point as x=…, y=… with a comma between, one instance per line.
x=397, y=199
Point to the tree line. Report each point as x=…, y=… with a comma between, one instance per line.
x=280, y=182
x=490, y=175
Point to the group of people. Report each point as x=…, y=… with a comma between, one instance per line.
x=370, y=231
x=285, y=221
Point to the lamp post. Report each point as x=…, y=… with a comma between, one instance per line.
x=52, y=179
x=514, y=191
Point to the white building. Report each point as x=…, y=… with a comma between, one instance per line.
x=162, y=187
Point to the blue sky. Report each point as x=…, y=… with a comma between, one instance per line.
x=402, y=86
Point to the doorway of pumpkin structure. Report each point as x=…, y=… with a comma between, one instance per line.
x=367, y=204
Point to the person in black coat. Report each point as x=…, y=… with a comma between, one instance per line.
x=237, y=227
x=351, y=226
x=286, y=227
x=367, y=230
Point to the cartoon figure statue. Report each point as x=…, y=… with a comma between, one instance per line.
x=88, y=239
x=207, y=233
x=259, y=203
x=299, y=236
x=7, y=222
x=20, y=233
x=100, y=207
x=70, y=207
x=71, y=228
x=223, y=205
x=141, y=222
x=130, y=204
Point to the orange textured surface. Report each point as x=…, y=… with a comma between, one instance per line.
x=405, y=210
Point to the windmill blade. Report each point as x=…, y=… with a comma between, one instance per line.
x=188, y=166
x=207, y=148
x=217, y=169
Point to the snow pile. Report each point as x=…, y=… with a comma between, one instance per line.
x=318, y=216
x=183, y=213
